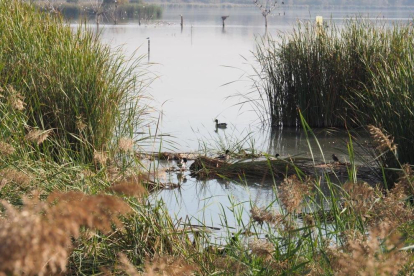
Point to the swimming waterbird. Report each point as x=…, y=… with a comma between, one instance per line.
x=335, y=158
x=182, y=164
x=225, y=157
x=220, y=125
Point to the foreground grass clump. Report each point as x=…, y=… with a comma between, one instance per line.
x=68, y=83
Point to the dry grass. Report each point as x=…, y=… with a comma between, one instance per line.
x=375, y=254
x=292, y=192
x=165, y=266
x=361, y=198
x=6, y=149
x=20, y=178
x=100, y=157
x=261, y=215
x=38, y=136
x=382, y=141
x=126, y=144
x=36, y=240
x=128, y=188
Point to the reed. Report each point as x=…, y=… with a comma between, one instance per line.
x=353, y=75
x=79, y=91
x=317, y=68
x=123, y=12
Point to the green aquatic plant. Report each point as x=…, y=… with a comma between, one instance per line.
x=78, y=89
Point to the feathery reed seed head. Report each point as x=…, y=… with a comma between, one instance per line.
x=292, y=191
x=100, y=157
x=126, y=144
x=38, y=136
x=382, y=141
x=6, y=149
x=36, y=240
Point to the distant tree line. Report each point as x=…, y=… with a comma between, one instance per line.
x=370, y=3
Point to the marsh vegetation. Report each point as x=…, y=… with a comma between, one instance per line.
x=74, y=193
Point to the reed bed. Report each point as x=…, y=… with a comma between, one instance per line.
x=77, y=93
x=353, y=75
x=123, y=12
x=77, y=208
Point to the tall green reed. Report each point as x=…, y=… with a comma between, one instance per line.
x=70, y=81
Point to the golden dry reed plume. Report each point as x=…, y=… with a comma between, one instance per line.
x=262, y=248
x=292, y=191
x=37, y=136
x=128, y=188
x=159, y=266
x=126, y=144
x=374, y=254
x=15, y=99
x=171, y=266
x=100, y=157
x=361, y=198
x=381, y=141
x=6, y=149
x=17, y=177
x=261, y=215
x=36, y=239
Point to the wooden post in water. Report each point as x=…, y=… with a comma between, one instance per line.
x=182, y=21
x=116, y=9
x=224, y=17
x=149, y=48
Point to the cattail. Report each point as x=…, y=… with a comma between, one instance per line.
x=6, y=149
x=38, y=136
x=126, y=144
x=382, y=142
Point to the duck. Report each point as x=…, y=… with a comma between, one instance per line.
x=182, y=164
x=335, y=158
x=274, y=157
x=225, y=157
x=220, y=125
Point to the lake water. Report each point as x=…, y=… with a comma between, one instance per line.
x=198, y=68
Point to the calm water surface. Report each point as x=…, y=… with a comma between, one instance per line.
x=197, y=69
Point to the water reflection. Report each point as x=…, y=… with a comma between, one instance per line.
x=193, y=62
